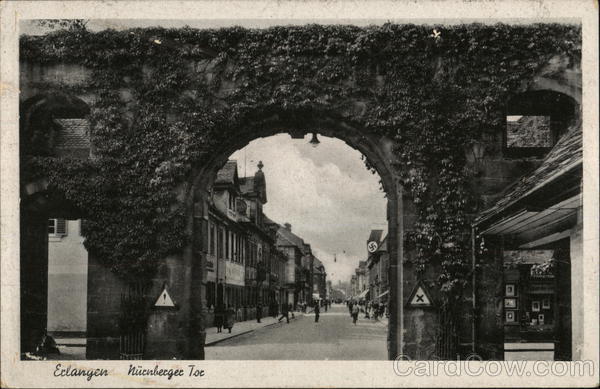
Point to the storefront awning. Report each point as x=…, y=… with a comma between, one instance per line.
x=383, y=294
x=363, y=294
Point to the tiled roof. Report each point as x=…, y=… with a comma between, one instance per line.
x=73, y=133
x=566, y=154
x=226, y=175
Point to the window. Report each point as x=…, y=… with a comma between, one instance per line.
x=212, y=237
x=57, y=227
x=528, y=131
x=535, y=121
x=220, y=244
x=227, y=244
x=231, y=201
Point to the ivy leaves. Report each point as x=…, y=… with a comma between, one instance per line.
x=192, y=90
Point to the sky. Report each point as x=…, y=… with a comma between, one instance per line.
x=326, y=193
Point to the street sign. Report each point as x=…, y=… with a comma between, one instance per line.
x=164, y=300
x=420, y=297
x=372, y=246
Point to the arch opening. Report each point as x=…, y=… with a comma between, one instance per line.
x=53, y=259
x=377, y=152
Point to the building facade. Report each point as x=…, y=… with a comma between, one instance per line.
x=67, y=278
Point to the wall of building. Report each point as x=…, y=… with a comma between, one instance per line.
x=577, y=291
x=67, y=280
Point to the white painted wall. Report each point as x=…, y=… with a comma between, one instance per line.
x=67, y=280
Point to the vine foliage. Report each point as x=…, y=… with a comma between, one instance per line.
x=166, y=98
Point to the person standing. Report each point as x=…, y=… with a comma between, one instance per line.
x=317, y=312
x=350, y=306
x=219, y=317
x=355, y=311
x=229, y=318
x=258, y=312
x=285, y=313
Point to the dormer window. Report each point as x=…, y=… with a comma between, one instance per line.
x=535, y=121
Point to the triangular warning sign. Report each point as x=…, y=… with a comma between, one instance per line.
x=164, y=300
x=420, y=297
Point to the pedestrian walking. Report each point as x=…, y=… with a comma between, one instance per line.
x=219, y=317
x=258, y=312
x=229, y=318
x=350, y=306
x=355, y=311
x=285, y=313
x=317, y=312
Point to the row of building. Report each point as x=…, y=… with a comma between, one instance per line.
x=370, y=280
x=253, y=262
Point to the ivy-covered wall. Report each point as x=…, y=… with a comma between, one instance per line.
x=162, y=101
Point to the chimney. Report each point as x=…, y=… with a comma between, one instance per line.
x=288, y=227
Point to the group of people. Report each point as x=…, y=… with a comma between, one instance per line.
x=224, y=317
x=371, y=309
x=374, y=310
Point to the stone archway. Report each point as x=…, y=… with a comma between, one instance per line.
x=41, y=137
x=379, y=153
x=210, y=76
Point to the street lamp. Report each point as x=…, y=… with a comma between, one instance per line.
x=314, y=142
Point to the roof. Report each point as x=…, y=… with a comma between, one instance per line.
x=285, y=237
x=317, y=262
x=375, y=235
x=73, y=133
x=227, y=174
x=383, y=245
x=566, y=155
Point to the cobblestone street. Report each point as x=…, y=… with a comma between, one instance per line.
x=334, y=337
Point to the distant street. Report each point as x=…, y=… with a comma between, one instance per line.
x=334, y=337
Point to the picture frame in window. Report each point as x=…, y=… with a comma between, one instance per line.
x=546, y=304
x=535, y=306
x=541, y=318
x=511, y=316
x=510, y=290
x=510, y=303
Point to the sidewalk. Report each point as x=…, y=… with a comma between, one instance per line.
x=243, y=327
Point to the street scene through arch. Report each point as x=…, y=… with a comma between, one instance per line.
x=289, y=225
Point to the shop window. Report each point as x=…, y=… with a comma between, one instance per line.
x=536, y=299
x=535, y=121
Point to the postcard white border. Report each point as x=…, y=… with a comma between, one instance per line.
x=16, y=373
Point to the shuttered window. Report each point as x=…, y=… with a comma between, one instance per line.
x=57, y=226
